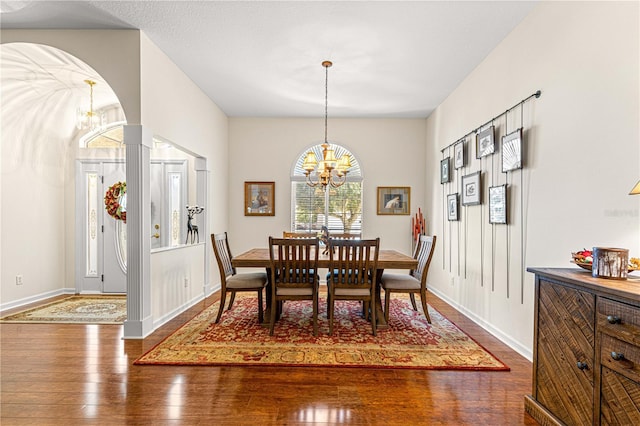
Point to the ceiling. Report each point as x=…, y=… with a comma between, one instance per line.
x=263, y=59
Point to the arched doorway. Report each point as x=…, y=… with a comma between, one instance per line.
x=42, y=89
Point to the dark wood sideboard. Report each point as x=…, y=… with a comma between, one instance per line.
x=586, y=349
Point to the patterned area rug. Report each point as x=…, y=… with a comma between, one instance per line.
x=76, y=310
x=408, y=342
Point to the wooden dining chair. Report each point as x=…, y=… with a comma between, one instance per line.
x=294, y=274
x=352, y=265
x=415, y=282
x=231, y=281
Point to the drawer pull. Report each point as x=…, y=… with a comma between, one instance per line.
x=617, y=356
x=612, y=319
x=582, y=365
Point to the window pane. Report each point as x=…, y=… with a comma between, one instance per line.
x=342, y=214
x=345, y=208
x=308, y=206
x=91, y=225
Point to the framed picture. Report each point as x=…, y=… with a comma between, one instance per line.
x=458, y=154
x=452, y=206
x=471, y=190
x=512, y=151
x=259, y=198
x=498, y=204
x=445, y=176
x=394, y=199
x=484, y=143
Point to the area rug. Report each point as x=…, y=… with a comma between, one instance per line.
x=75, y=310
x=408, y=341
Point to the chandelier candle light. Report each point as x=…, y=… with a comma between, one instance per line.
x=89, y=119
x=331, y=170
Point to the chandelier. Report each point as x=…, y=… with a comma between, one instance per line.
x=331, y=170
x=89, y=119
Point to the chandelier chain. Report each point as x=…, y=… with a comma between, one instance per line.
x=326, y=99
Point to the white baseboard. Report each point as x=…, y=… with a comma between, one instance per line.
x=210, y=289
x=504, y=338
x=175, y=312
x=36, y=298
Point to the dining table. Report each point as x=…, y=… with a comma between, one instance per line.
x=387, y=259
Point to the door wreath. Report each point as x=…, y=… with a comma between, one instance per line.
x=115, y=201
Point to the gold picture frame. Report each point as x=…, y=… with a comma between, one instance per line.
x=394, y=200
x=259, y=198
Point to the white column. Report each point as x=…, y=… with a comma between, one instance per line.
x=202, y=198
x=139, y=322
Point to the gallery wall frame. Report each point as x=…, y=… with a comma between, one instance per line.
x=394, y=200
x=259, y=198
x=453, y=201
x=485, y=144
x=498, y=204
x=459, y=154
x=471, y=189
x=445, y=172
x=512, y=151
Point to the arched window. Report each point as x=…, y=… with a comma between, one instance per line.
x=339, y=209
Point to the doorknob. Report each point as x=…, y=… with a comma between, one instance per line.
x=156, y=235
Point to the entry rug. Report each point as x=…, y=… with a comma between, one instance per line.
x=408, y=342
x=75, y=310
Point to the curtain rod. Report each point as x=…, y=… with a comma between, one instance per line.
x=536, y=95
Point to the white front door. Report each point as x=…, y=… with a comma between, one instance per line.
x=101, y=242
x=114, y=237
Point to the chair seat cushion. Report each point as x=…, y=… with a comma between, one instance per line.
x=352, y=292
x=399, y=282
x=301, y=291
x=247, y=280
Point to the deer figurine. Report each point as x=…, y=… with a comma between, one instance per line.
x=191, y=228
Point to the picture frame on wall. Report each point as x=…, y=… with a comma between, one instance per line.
x=394, y=200
x=445, y=175
x=452, y=207
x=458, y=154
x=512, y=151
x=485, y=144
x=471, y=190
x=259, y=198
x=498, y=204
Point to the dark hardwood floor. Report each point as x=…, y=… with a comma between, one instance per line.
x=56, y=374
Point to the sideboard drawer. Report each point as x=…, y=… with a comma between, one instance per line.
x=620, y=357
x=619, y=319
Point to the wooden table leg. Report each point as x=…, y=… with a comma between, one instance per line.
x=266, y=322
x=380, y=321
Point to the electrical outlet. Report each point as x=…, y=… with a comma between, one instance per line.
x=186, y=282
x=18, y=279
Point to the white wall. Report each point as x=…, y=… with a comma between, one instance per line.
x=390, y=153
x=169, y=270
x=582, y=158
